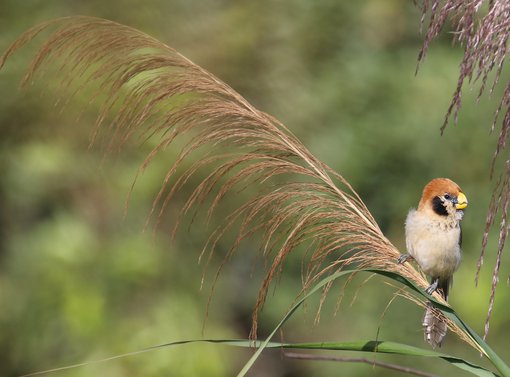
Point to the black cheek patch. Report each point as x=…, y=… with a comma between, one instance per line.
x=438, y=207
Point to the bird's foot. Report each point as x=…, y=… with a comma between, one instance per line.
x=432, y=287
x=404, y=258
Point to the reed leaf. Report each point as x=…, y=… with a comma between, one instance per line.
x=455, y=323
x=369, y=346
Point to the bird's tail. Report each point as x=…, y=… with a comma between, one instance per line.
x=435, y=326
x=434, y=322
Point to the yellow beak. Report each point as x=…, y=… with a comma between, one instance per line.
x=462, y=201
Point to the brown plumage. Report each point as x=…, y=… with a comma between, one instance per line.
x=433, y=239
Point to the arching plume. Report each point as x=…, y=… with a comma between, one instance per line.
x=147, y=89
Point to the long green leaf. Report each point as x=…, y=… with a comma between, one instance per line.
x=448, y=311
x=361, y=346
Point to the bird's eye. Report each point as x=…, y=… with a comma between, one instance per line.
x=447, y=196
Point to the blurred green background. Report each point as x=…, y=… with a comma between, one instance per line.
x=80, y=281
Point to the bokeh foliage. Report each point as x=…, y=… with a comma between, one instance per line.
x=81, y=280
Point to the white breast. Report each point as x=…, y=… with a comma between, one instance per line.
x=433, y=243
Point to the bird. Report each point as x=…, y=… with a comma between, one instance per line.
x=433, y=239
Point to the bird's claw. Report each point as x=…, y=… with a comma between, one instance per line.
x=432, y=287
x=404, y=258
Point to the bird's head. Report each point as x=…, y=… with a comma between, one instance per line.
x=443, y=197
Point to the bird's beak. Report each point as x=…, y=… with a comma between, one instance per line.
x=462, y=201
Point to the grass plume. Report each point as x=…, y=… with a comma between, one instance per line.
x=146, y=88
x=481, y=27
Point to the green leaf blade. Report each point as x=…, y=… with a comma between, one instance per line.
x=391, y=347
